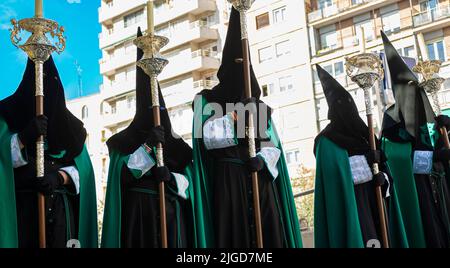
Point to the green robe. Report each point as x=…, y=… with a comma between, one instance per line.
x=336, y=220
x=87, y=233
x=400, y=165
x=111, y=233
x=202, y=179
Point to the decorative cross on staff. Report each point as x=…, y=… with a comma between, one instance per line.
x=152, y=63
x=39, y=48
x=365, y=70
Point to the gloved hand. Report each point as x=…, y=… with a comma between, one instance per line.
x=156, y=135
x=379, y=179
x=161, y=174
x=442, y=155
x=255, y=164
x=442, y=121
x=373, y=156
x=34, y=129
x=49, y=183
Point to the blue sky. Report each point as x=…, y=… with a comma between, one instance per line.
x=80, y=20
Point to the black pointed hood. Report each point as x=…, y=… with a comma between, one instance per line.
x=346, y=128
x=231, y=88
x=177, y=153
x=65, y=132
x=412, y=108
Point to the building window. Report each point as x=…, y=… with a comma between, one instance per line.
x=133, y=18
x=131, y=102
x=293, y=157
x=262, y=21
x=409, y=52
x=325, y=3
x=84, y=112
x=328, y=37
x=267, y=89
x=436, y=50
x=286, y=83
x=283, y=48
x=279, y=15
x=391, y=21
x=113, y=108
x=428, y=5
x=338, y=68
x=368, y=30
x=265, y=54
x=103, y=135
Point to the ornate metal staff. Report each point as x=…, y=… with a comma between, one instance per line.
x=39, y=48
x=243, y=6
x=429, y=70
x=365, y=70
x=152, y=63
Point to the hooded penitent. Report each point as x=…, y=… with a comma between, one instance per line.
x=65, y=132
x=64, y=145
x=346, y=213
x=230, y=74
x=221, y=185
x=131, y=216
x=409, y=138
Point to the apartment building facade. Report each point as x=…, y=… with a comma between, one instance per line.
x=197, y=32
x=334, y=30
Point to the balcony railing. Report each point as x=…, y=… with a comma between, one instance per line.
x=432, y=15
x=205, y=84
x=334, y=9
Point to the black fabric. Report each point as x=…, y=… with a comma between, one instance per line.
x=49, y=183
x=65, y=131
x=442, y=121
x=407, y=93
x=27, y=212
x=177, y=153
x=156, y=135
x=231, y=73
x=234, y=223
x=255, y=164
x=35, y=128
x=346, y=128
x=161, y=174
x=141, y=215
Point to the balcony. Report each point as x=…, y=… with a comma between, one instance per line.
x=107, y=12
x=118, y=117
x=110, y=91
x=108, y=67
x=205, y=84
x=168, y=12
x=197, y=32
x=200, y=60
x=431, y=15
x=323, y=13
x=343, y=9
x=117, y=36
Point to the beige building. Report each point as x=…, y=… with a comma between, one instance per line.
x=334, y=28
x=197, y=31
